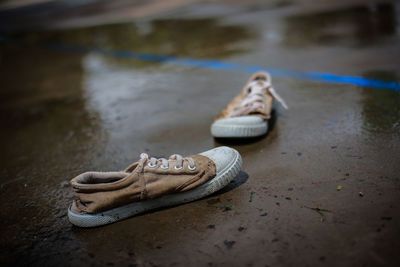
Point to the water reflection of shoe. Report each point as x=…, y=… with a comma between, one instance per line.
x=150, y=183
x=247, y=114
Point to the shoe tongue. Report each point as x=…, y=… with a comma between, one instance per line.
x=260, y=84
x=255, y=86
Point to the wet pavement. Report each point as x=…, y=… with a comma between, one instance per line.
x=67, y=111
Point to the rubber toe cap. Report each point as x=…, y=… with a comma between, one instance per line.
x=222, y=156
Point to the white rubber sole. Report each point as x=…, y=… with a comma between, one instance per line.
x=224, y=176
x=246, y=126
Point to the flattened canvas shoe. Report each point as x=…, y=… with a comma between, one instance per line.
x=247, y=114
x=150, y=183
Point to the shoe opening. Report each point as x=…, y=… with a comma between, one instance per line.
x=99, y=177
x=260, y=78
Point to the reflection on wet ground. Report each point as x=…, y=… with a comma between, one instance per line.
x=358, y=26
x=205, y=37
x=66, y=113
x=381, y=108
x=48, y=134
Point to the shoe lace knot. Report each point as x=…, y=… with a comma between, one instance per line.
x=254, y=98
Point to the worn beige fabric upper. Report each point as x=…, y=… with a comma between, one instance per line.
x=256, y=98
x=99, y=191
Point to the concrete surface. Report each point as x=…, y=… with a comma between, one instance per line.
x=64, y=113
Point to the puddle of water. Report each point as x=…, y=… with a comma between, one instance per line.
x=179, y=37
x=358, y=26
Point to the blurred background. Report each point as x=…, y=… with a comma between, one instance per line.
x=89, y=85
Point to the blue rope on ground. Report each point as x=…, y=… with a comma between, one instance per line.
x=222, y=65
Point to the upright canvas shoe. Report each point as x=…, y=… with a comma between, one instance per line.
x=150, y=183
x=248, y=113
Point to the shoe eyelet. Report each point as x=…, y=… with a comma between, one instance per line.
x=192, y=168
x=178, y=168
x=151, y=165
x=164, y=167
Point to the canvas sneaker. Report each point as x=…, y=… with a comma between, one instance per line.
x=247, y=114
x=150, y=183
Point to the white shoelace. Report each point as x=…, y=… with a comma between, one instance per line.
x=255, y=98
x=152, y=162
